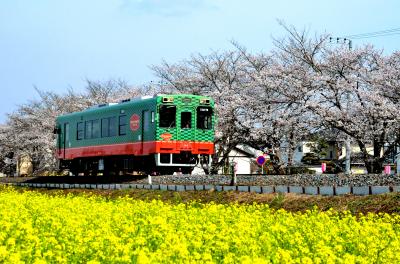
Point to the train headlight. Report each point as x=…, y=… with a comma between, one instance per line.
x=204, y=101
x=167, y=99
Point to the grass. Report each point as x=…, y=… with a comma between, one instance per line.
x=383, y=203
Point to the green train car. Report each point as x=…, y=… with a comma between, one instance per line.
x=160, y=134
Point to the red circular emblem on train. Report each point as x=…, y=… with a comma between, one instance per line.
x=134, y=122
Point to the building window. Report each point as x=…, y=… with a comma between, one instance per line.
x=80, y=131
x=122, y=125
x=300, y=148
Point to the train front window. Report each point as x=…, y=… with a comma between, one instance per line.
x=204, y=117
x=167, y=116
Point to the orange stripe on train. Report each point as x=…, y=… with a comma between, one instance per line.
x=138, y=149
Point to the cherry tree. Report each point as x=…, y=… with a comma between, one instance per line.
x=304, y=86
x=343, y=88
x=249, y=104
x=276, y=115
x=220, y=75
x=29, y=129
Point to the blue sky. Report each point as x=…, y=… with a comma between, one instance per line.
x=55, y=45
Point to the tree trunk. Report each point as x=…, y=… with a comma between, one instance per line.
x=373, y=163
x=348, y=153
x=378, y=160
x=276, y=165
x=367, y=161
x=290, y=152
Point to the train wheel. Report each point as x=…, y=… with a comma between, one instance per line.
x=166, y=171
x=187, y=170
x=74, y=172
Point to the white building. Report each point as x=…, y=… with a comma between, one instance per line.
x=304, y=147
x=244, y=158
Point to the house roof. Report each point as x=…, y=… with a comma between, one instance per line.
x=248, y=151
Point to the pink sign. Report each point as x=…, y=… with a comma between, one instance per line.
x=387, y=169
x=323, y=167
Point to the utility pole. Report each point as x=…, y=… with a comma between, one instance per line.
x=398, y=160
x=339, y=40
x=348, y=139
x=348, y=153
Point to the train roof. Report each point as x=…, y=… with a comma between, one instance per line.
x=129, y=102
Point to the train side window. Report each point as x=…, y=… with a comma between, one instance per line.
x=109, y=127
x=146, y=121
x=95, y=128
x=104, y=127
x=112, y=126
x=66, y=134
x=88, y=129
x=167, y=116
x=80, y=131
x=186, y=120
x=204, y=117
x=152, y=117
x=122, y=125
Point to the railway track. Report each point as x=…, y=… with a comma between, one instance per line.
x=145, y=182
x=78, y=179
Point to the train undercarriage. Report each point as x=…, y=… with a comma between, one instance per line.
x=156, y=164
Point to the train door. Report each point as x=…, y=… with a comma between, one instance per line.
x=145, y=130
x=57, y=132
x=66, y=139
x=187, y=125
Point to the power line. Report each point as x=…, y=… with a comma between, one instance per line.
x=349, y=38
x=374, y=33
x=388, y=32
x=380, y=35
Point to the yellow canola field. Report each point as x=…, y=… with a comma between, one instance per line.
x=38, y=228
